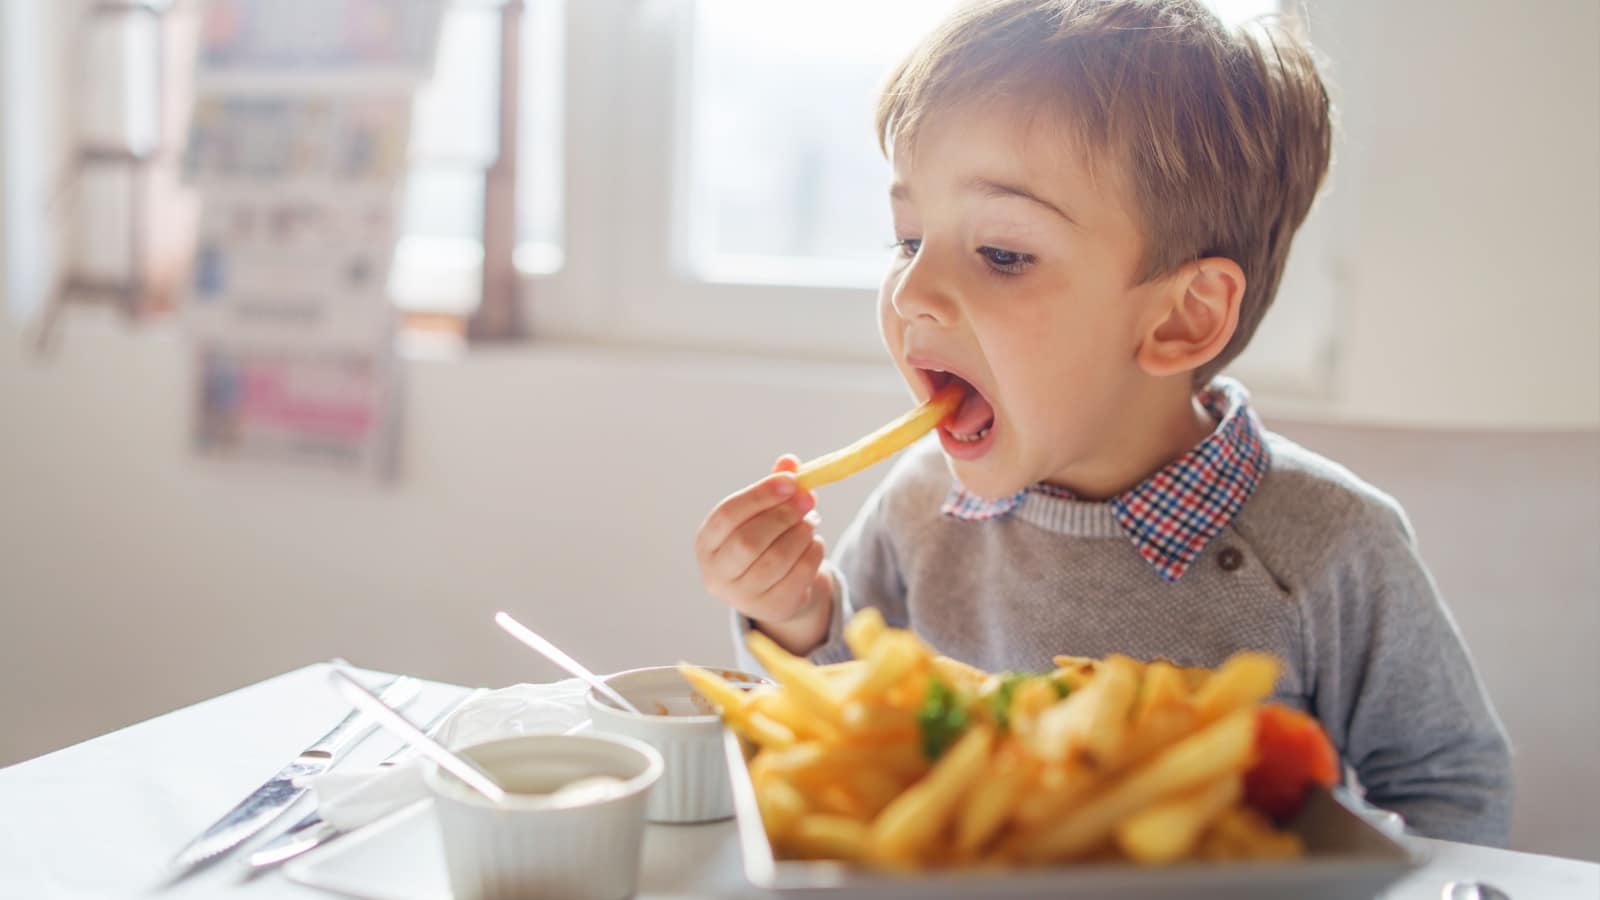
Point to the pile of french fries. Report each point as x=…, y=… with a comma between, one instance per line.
x=904, y=759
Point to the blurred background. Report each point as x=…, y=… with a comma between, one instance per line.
x=631, y=259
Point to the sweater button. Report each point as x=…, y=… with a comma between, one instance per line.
x=1230, y=559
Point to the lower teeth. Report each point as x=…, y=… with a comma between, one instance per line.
x=971, y=438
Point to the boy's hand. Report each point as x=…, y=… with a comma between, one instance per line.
x=759, y=553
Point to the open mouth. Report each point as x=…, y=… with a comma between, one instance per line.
x=973, y=420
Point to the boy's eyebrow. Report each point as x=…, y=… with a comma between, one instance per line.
x=998, y=189
x=988, y=188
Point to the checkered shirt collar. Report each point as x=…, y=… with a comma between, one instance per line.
x=1172, y=515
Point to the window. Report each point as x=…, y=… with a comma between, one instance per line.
x=439, y=259
x=786, y=183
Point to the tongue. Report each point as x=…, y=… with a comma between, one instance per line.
x=972, y=416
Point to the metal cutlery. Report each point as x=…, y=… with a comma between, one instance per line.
x=312, y=832
x=278, y=793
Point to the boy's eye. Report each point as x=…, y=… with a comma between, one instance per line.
x=1009, y=262
x=908, y=247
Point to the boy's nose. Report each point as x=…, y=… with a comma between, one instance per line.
x=921, y=293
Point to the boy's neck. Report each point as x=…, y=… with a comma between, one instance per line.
x=1155, y=429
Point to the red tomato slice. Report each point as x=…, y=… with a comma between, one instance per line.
x=1293, y=754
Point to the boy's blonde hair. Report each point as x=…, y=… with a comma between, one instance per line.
x=1220, y=137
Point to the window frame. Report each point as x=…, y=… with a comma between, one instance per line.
x=626, y=276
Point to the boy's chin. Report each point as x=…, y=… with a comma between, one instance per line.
x=979, y=478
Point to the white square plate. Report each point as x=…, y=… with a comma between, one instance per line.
x=1347, y=858
x=398, y=858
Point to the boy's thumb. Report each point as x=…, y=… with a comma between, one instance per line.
x=786, y=463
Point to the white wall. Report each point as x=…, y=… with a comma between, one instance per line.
x=1467, y=184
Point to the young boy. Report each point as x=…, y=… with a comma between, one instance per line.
x=1093, y=201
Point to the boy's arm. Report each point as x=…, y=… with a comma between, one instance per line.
x=863, y=571
x=1396, y=687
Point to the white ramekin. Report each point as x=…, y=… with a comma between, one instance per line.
x=530, y=846
x=695, y=785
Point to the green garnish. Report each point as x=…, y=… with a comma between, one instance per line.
x=999, y=700
x=941, y=719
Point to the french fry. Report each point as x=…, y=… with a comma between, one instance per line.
x=863, y=630
x=834, y=797
x=885, y=442
x=909, y=693
x=905, y=828
x=1057, y=789
x=1028, y=703
x=819, y=762
x=781, y=807
x=715, y=688
x=1243, y=833
x=810, y=688
x=766, y=731
x=738, y=708
x=1245, y=679
x=872, y=723
x=780, y=707
x=785, y=763
x=1075, y=671
x=844, y=677
x=1168, y=831
x=822, y=836
x=1091, y=722
x=1163, y=687
x=958, y=674
x=875, y=788
x=990, y=803
x=1222, y=748
x=1161, y=727
x=893, y=656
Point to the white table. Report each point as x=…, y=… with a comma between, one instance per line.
x=102, y=818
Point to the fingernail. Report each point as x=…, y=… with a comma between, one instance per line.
x=813, y=518
x=783, y=487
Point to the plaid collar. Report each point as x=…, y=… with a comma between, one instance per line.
x=1173, y=514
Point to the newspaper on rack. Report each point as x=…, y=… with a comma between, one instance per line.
x=298, y=150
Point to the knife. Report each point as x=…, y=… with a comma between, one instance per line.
x=268, y=801
x=311, y=831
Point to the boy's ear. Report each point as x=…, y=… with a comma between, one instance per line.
x=1195, y=315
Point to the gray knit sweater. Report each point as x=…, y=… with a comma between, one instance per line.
x=1318, y=568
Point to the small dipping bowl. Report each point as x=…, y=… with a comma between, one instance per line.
x=536, y=846
x=689, y=736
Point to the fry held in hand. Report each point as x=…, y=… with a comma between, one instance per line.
x=883, y=443
x=903, y=759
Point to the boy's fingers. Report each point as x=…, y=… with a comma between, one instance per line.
x=784, y=599
x=791, y=463
x=735, y=556
x=770, y=567
x=736, y=509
